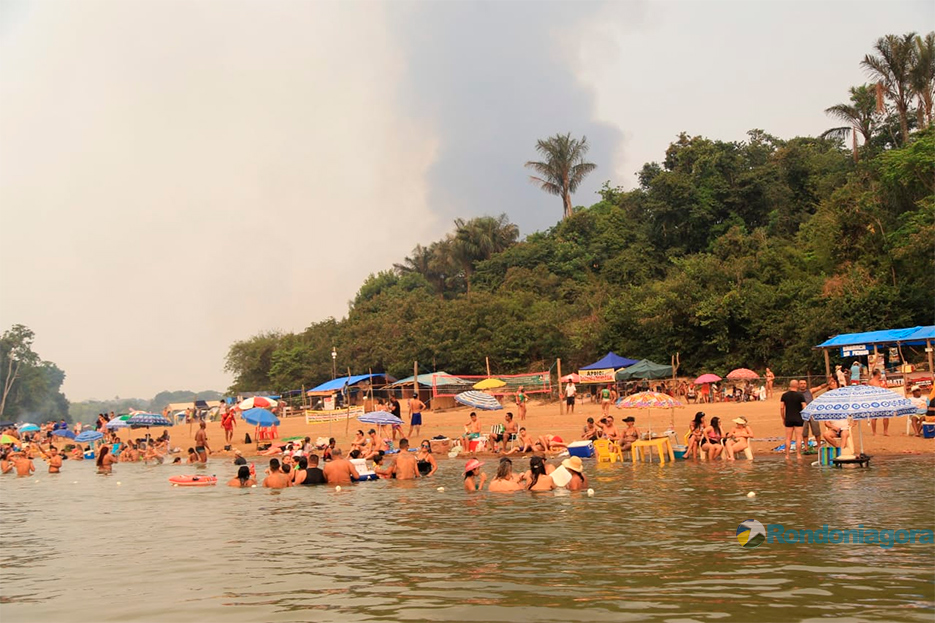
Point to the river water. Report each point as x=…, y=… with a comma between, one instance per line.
x=654, y=543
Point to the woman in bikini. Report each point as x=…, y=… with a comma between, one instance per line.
x=738, y=439
x=714, y=439
x=243, y=480
x=695, y=435
x=105, y=461
x=536, y=477
x=505, y=480
x=359, y=442
x=425, y=462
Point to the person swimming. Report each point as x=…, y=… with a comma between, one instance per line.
x=243, y=479
x=474, y=479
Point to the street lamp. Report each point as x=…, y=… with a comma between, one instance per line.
x=334, y=363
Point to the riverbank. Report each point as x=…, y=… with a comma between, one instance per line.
x=545, y=418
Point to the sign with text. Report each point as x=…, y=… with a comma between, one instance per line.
x=855, y=350
x=605, y=375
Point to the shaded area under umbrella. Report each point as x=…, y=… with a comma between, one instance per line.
x=478, y=400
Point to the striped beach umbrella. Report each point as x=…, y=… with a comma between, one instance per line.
x=145, y=420
x=478, y=400
x=858, y=402
x=649, y=401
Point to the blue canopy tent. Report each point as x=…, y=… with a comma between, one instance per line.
x=863, y=343
x=338, y=384
x=602, y=370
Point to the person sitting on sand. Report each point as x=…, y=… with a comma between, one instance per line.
x=274, y=450
x=536, y=478
x=630, y=433
x=276, y=478
x=575, y=467
x=474, y=479
x=376, y=444
x=359, y=441
x=550, y=443
x=340, y=471
x=243, y=479
x=738, y=439
x=591, y=432
x=524, y=443
x=471, y=431
x=405, y=466
x=505, y=480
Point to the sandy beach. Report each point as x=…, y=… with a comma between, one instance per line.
x=545, y=418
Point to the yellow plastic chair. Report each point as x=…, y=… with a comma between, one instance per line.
x=607, y=452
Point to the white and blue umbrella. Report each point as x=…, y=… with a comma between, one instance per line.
x=382, y=418
x=89, y=436
x=478, y=400
x=145, y=420
x=28, y=428
x=260, y=417
x=858, y=402
x=116, y=423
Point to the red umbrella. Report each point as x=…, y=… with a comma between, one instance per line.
x=257, y=402
x=742, y=374
x=571, y=378
x=707, y=378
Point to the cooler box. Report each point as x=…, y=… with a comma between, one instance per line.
x=581, y=449
x=928, y=430
x=679, y=451
x=477, y=445
x=440, y=446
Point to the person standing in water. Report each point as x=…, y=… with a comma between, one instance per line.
x=405, y=467
x=55, y=460
x=202, y=449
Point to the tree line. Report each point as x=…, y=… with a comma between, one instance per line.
x=731, y=253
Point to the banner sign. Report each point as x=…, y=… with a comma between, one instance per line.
x=855, y=350
x=605, y=375
x=335, y=415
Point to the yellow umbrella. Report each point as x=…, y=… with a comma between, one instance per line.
x=489, y=384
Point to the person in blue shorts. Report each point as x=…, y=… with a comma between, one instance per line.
x=415, y=414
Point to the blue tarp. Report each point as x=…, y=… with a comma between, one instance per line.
x=610, y=360
x=339, y=383
x=911, y=336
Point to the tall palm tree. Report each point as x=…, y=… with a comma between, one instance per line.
x=860, y=115
x=922, y=76
x=563, y=168
x=480, y=238
x=892, y=66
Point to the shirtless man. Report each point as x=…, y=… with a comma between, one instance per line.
x=202, y=449
x=375, y=446
x=416, y=407
x=524, y=443
x=340, y=471
x=276, y=479
x=630, y=434
x=591, y=432
x=471, y=431
x=610, y=430
x=405, y=467
x=55, y=460
x=510, y=430
x=23, y=464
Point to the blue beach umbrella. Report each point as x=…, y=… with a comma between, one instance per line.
x=382, y=418
x=145, y=420
x=858, y=402
x=116, y=423
x=63, y=432
x=260, y=417
x=89, y=436
x=28, y=428
x=478, y=400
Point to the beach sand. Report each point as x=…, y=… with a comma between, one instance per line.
x=544, y=418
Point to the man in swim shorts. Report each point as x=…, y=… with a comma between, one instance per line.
x=471, y=431
x=201, y=443
x=55, y=460
x=340, y=471
x=791, y=405
x=276, y=478
x=405, y=467
x=415, y=414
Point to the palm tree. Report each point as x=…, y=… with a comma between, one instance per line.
x=564, y=167
x=480, y=238
x=892, y=67
x=922, y=76
x=860, y=116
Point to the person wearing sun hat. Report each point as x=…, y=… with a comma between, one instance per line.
x=920, y=403
x=474, y=479
x=738, y=439
x=576, y=469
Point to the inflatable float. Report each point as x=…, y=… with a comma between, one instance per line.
x=193, y=481
x=363, y=471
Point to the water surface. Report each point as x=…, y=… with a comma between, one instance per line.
x=655, y=543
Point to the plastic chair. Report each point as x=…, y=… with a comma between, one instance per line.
x=606, y=452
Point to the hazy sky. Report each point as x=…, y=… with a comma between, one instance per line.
x=175, y=176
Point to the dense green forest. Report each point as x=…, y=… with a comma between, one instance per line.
x=730, y=253
x=30, y=388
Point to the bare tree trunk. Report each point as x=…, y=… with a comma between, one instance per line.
x=566, y=199
x=8, y=384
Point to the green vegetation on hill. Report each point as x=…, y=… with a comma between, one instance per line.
x=730, y=253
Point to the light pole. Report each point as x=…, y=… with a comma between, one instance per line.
x=334, y=363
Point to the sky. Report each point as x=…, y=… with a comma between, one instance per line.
x=175, y=176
